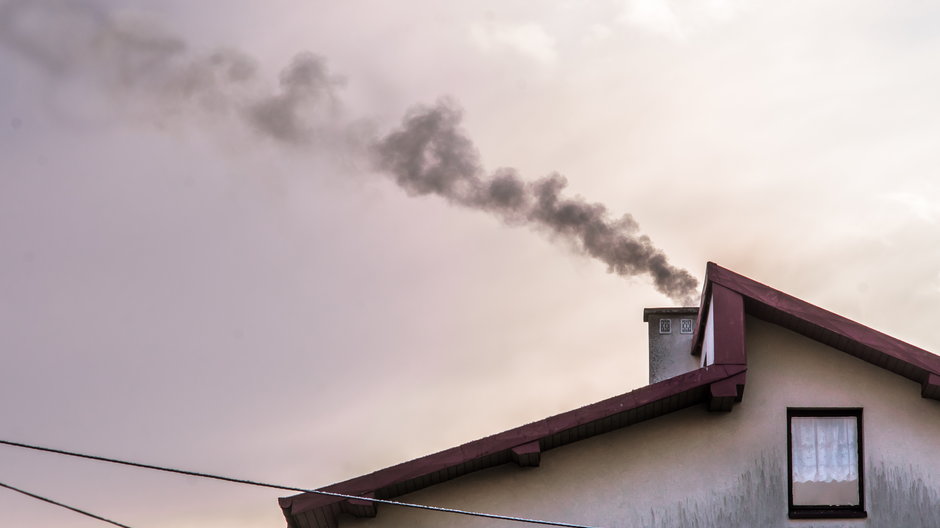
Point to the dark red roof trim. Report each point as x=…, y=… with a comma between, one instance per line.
x=728, y=318
x=720, y=385
x=527, y=454
x=776, y=307
x=635, y=406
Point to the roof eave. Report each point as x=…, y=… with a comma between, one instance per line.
x=717, y=385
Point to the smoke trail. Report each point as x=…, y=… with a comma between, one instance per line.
x=140, y=67
x=428, y=154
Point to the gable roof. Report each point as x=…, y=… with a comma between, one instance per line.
x=739, y=295
x=727, y=298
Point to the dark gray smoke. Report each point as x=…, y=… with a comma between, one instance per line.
x=306, y=87
x=140, y=66
x=428, y=154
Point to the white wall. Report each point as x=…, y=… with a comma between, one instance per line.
x=708, y=343
x=699, y=469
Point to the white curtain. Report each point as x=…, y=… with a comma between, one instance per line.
x=824, y=449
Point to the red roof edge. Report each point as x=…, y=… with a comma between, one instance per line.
x=930, y=387
x=640, y=404
x=797, y=315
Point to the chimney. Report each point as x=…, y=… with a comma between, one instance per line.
x=670, y=331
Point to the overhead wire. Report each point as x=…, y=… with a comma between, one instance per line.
x=293, y=488
x=62, y=505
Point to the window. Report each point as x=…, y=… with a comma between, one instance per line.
x=824, y=463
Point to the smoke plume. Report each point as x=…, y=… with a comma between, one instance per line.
x=428, y=153
x=140, y=68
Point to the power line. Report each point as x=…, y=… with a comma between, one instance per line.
x=292, y=488
x=66, y=506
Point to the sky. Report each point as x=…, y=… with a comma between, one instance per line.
x=299, y=241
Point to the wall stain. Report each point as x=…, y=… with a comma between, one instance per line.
x=752, y=500
x=897, y=497
x=900, y=497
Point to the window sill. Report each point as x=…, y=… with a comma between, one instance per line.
x=826, y=513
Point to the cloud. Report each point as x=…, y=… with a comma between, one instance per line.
x=669, y=19
x=528, y=40
x=655, y=16
x=917, y=204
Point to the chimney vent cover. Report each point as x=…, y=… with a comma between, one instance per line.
x=665, y=326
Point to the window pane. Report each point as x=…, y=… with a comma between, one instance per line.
x=825, y=460
x=825, y=493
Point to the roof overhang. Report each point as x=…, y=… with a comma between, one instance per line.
x=733, y=296
x=717, y=385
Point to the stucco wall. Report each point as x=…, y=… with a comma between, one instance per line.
x=699, y=469
x=669, y=353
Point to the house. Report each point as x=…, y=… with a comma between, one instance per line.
x=763, y=410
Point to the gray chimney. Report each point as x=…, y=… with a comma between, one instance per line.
x=671, y=332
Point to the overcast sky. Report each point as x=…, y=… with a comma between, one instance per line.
x=204, y=266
